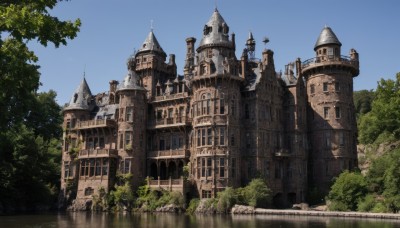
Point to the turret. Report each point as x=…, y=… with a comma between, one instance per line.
x=333, y=130
x=132, y=126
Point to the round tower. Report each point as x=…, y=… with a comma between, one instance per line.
x=77, y=110
x=215, y=110
x=132, y=125
x=332, y=124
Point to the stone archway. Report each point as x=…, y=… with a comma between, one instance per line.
x=172, y=172
x=163, y=170
x=180, y=168
x=153, y=171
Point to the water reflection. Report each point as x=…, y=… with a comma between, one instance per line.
x=106, y=220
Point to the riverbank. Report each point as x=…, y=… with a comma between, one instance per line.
x=239, y=210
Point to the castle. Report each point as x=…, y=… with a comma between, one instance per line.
x=223, y=123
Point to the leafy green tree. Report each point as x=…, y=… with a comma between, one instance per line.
x=256, y=194
x=29, y=122
x=363, y=101
x=347, y=191
x=384, y=114
x=227, y=199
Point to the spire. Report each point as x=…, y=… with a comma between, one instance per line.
x=327, y=36
x=130, y=82
x=81, y=98
x=151, y=44
x=215, y=31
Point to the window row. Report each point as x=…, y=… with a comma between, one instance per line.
x=206, y=165
x=94, y=167
x=325, y=87
x=205, y=136
x=340, y=139
x=126, y=140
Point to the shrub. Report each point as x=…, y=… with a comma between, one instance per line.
x=347, y=191
x=256, y=194
x=226, y=199
x=193, y=204
x=367, y=204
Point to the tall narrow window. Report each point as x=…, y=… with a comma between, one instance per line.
x=337, y=86
x=209, y=136
x=127, y=139
x=129, y=114
x=209, y=162
x=104, y=167
x=337, y=112
x=341, y=139
x=203, y=167
x=67, y=170
x=222, y=136
x=327, y=137
x=222, y=167
x=203, y=137
x=326, y=112
x=232, y=139
x=325, y=87
x=198, y=137
x=222, y=106
x=312, y=88
x=98, y=167
x=246, y=111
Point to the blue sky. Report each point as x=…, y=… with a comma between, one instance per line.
x=112, y=30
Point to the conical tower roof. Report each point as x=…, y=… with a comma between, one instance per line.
x=327, y=36
x=130, y=82
x=215, y=31
x=81, y=97
x=151, y=44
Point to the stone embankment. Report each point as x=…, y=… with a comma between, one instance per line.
x=240, y=209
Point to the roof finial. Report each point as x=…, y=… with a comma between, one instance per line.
x=326, y=26
x=151, y=25
x=84, y=71
x=216, y=5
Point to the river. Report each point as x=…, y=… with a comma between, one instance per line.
x=104, y=220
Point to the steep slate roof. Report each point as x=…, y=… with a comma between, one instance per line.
x=130, y=82
x=327, y=36
x=151, y=44
x=217, y=35
x=81, y=97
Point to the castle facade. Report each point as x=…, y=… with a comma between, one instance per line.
x=222, y=123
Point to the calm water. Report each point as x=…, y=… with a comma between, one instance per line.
x=101, y=220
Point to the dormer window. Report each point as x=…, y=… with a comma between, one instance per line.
x=207, y=30
x=75, y=97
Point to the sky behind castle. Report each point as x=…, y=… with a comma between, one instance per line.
x=112, y=30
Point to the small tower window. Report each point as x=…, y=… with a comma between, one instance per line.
x=337, y=86
x=312, y=89
x=337, y=112
x=325, y=87
x=326, y=112
x=75, y=97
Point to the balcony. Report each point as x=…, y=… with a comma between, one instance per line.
x=97, y=153
x=163, y=154
x=95, y=124
x=170, y=97
x=322, y=61
x=211, y=119
x=169, y=122
x=170, y=184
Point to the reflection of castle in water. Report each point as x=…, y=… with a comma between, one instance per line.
x=226, y=120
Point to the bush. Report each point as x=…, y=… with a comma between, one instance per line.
x=193, y=204
x=367, y=204
x=347, y=191
x=338, y=206
x=226, y=199
x=256, y=194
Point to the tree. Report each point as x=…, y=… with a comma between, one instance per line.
x=363, y=101
x=29, y=122
x=256, y=194
x=383, y=117
x=347, y=191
